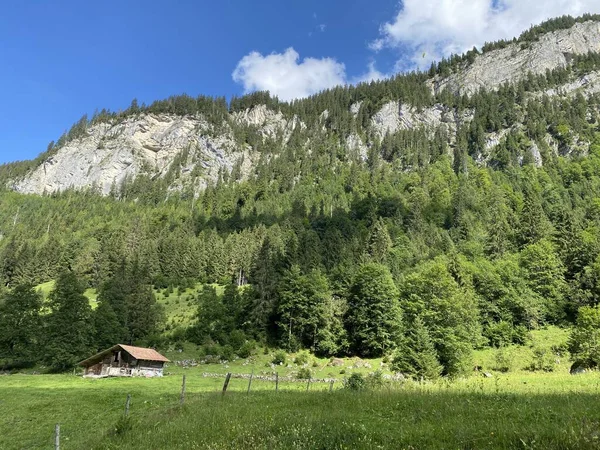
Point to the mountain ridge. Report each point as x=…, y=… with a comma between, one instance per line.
x=192, y=143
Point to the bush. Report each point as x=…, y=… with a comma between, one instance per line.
x=247, y=349
x=356, y=382
x=237, y=338
x=543, y=360
x=584, y=342
x=279, y=358
x=304, y=374
x=503, y=333
x=227, y=353
x=375, y=380
x=504, y=360
x=302, y=358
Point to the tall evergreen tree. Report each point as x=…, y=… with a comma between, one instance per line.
x=374, y=318
x=417, y=356
x=20, y=325
x=69, y=327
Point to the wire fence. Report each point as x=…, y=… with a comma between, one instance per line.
x=226, y=383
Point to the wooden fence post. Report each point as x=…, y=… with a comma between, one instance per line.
x=308, y=385
x=182, y=397
x=276, y=381
x=250, y=382
x=227, y=378
x=127, y=403
x=331, y=386
x=57, y=437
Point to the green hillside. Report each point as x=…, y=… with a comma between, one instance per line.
x=431, y=242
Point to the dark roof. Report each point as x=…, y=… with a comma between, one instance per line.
x=145, y=354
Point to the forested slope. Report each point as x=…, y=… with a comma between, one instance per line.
x=449, y=223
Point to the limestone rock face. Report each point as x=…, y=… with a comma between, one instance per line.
x=587, y=85
x=147, y=144
x=270, y=124
x=393, y=117
x=191, y=152
x=514, y=62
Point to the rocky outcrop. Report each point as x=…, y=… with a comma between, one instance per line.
x=269, y=123
x=586, y=85
x=191, y=152
x=147, y=144
x=394, y=116
x=514, y=62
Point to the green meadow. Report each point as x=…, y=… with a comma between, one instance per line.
x=514, y=409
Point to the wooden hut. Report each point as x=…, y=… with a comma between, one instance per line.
x=125, y=361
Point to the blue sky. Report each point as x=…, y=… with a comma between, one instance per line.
x=60, y=59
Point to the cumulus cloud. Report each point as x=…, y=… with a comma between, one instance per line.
x=431, y=29
x=284, y=75
x=372, y=74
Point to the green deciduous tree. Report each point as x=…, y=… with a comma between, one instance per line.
x=448, y=310
x=584, y=342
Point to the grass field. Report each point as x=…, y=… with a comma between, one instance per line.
x=46, y=288
x=518, y=409
x=180, y=306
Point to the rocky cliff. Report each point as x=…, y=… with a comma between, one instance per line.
x=514, y=62
x=109, y=153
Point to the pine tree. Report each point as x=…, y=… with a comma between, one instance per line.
x=417, y=356
x=20, y=325
x=69, y=328
x=374, y=318
x=380, y=242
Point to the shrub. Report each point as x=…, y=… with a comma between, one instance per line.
x=584, y=342
x=237, y=338
x=279, y=357
x=227, y=353
x=247, y=349
x=504, y=360
x=543, y=360
x=375, y=380
x=356, y=382
x=302, y=358
x=304, y=374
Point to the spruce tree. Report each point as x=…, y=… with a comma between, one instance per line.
x=374, y=318
x=69, y=327
x=417, y=356
x=20, y=325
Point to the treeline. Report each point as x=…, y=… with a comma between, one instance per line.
x=535, y=32
x=63, y=330
x=340, y=121
x=348, y=259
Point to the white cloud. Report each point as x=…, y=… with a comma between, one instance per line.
x=372, y=74
x=430, y=29
x=284, y=75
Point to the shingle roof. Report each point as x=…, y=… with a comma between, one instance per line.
x=145, y=354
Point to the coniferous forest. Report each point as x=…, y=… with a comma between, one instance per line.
x=419, y=251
